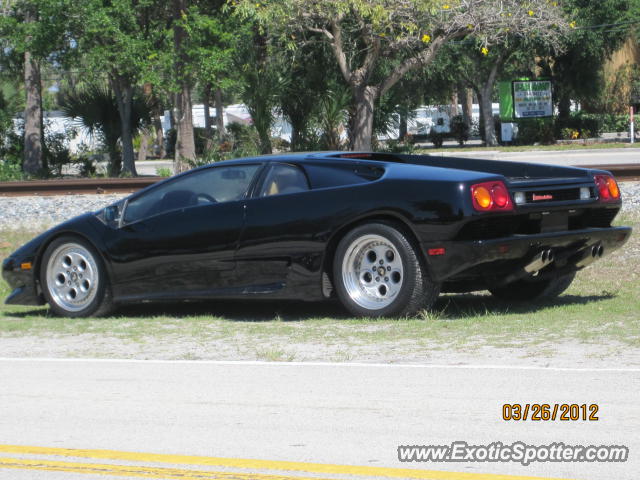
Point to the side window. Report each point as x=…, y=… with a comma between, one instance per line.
x=283, y=179
x=211, y=185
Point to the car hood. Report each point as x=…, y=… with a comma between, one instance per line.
x=30, y=250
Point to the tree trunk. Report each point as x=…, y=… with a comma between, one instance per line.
x=264, y=133
x=144, y=146
x=208, y=127
x=260, y=90
x=454, y=104
x=219, y=113
x=154, y=133
x=564, y=106
x=115, y=160
x=296, y=137
x=365, y=98
x=124, y=98
x=128, y=158
x=484, y=95
x=403, y=124
x=157, y=126
x=481, y=115
x=33, y=163
x=466, y=99
x=185, y=143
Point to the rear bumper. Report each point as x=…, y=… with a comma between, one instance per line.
x=461, y=256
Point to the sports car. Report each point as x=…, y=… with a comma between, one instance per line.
x=384, y=233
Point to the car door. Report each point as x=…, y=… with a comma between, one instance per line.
x=179, y=239
x=279, y=243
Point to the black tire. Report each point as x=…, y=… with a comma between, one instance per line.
x=99, y=298
x=532, y=289
x=409, y=291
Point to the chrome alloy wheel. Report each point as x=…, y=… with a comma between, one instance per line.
x=72, y=277
x=372, y=272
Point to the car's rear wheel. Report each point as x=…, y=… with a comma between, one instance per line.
x=377, y=273
x=534, y=289
x=73, y=279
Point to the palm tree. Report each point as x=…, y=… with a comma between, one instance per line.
x=332, y=118
x=95, y=109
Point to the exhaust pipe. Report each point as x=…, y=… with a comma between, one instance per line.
x=541, y=260
x=538, y=262
x=544, y=258
x=590, y=255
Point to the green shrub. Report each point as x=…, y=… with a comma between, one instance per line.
x=11, y=141
x=163, y=172
x=615, y=123
x=86, y=166
x=437, y=138
x=170, y=138
x=588, y=125
x=536, y=130
x=459, y=129
x=57, y=153
x=396, y=146
x=240, y=141
x=569, y=134
x=279, y=144
x=10, y=170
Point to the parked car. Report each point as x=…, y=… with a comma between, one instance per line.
x=385, y=233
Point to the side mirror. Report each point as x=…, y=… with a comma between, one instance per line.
x=111, y=213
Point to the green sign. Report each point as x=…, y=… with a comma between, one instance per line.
x=506, y=101
x=525, y=98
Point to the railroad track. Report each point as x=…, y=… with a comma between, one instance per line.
x=624, y=172
x=75, y=186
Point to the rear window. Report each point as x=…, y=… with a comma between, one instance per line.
x=324, y=176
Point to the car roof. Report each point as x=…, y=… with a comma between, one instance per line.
x=321, y=155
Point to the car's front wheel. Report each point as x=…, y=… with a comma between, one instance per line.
x=73, y=279
x=534, y=289
x=377, y=273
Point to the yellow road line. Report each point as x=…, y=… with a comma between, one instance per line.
x=133, y=471
x=253, y=464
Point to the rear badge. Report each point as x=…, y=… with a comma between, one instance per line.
x=538, y=198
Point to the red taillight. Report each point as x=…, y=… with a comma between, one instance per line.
x=491, y=196
x=500, y=195
x=607, y=187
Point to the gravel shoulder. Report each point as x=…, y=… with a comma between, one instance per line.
x=36, y=213
x=556, y=354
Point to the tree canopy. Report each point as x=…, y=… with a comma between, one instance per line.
x=329, y=67
x=409, y=34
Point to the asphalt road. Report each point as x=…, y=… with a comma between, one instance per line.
x=607, y=156
x=326, y=414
